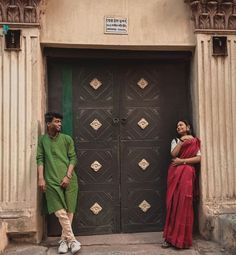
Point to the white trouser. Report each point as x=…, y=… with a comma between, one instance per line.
x=67, y=232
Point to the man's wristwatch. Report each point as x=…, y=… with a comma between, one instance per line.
x=68, y=176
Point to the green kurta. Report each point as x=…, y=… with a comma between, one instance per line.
x=56, y=154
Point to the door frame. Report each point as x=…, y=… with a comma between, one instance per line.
x=87, y=54
x=64, y=53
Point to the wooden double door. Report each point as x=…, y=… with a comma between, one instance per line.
x=121, y=114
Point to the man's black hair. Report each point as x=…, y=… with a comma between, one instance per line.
x=50, y=115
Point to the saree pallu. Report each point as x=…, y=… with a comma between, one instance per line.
x=179, y=198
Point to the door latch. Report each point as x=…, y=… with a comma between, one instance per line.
x=123, y=121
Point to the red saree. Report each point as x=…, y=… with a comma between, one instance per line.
x=179, y=198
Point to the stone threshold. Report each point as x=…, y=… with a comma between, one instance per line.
x=113, y=239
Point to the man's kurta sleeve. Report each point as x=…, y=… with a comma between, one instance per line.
x=40, y=152
x=71, y=153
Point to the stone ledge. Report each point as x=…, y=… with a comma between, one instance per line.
x=227, y=225
x=3, y=236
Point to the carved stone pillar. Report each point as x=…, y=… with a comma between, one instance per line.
x=20, y=90
x=215, y=86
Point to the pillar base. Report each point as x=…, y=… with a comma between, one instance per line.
x=218, y=223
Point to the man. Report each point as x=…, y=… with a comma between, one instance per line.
x=56, y=159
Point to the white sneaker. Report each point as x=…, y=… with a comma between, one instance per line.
x=63, y=247
x=75, y=246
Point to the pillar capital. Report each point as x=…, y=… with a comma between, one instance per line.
x=213, y=14
x=20, y=11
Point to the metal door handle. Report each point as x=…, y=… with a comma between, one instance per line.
x=123, y=120
x=116, y=120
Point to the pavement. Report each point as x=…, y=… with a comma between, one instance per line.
x=119, y=244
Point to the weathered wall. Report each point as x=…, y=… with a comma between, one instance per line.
x=20, y=93
x=151, y=23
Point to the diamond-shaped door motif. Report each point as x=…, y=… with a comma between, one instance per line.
x=144, y=206
x=96, y=166
x=143, y=164
x=95, y=124
x=95, y=83
x=96, y=208
x=142, y=83
x=143, y=123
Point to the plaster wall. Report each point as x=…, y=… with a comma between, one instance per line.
x=153, y=24
x=77, y=23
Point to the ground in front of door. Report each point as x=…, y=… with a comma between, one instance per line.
x=120, y=244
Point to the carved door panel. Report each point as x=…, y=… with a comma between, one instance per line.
x=147, y=87
x=86, y=91
x=142, y=208
x=122, y=115
x=96, y=139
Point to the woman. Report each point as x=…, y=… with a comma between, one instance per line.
x=185, y=151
